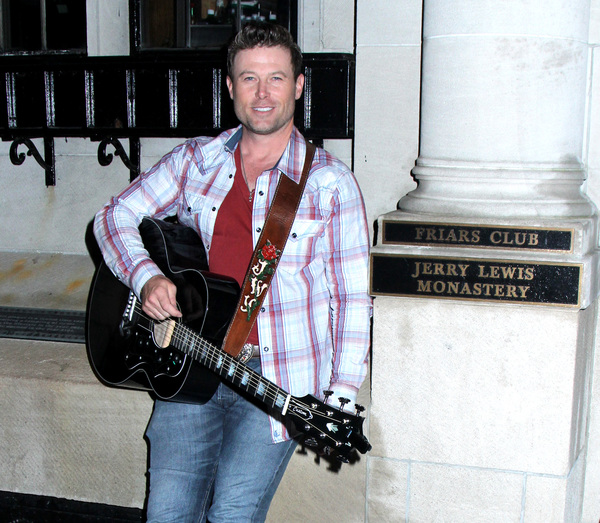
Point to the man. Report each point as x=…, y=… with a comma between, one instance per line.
x=223, y=460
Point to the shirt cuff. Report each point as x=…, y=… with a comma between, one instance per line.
x=342, y=391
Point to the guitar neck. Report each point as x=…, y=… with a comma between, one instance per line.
x=230, y=369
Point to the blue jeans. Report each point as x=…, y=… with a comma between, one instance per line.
x=214, y=461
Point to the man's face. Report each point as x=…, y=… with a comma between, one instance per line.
x=263, y=89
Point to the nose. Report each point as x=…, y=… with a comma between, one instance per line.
x=262, y=90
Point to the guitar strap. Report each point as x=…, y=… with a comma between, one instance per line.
x=266, y=256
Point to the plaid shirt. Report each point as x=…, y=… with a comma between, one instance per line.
x=314, y=330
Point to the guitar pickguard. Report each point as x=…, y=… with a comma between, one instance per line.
x=156, y=361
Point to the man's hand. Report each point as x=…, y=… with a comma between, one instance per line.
x=158, y=298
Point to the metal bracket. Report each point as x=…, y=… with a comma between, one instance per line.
x=105, y=159
x=47, y=164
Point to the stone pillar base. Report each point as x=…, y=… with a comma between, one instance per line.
x=484, y=189
x=481, y=402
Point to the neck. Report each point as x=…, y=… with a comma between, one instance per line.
x=267, y=147
x=260, y=153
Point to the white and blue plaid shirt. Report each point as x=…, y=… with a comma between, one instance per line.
x=314, y=331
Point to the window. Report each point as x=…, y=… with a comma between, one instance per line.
x=42, y=26
x=205, y=24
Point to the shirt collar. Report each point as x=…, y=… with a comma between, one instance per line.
x=232, y=142
x=292, y=159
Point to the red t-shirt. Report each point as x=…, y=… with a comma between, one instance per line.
x=232, y=245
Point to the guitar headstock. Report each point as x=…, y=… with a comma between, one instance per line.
x=326, y=427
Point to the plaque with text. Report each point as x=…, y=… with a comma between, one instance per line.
x=477, y=236
x=476, y=279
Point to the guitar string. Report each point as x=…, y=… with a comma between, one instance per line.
x=253, y=376
x=212, y=354
x=215, y=353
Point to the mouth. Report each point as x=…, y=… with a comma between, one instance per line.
x=262, y=109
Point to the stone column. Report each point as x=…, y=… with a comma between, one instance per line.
x=502, y=110
x=486, y=276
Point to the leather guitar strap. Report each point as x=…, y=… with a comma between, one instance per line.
x=266, y=256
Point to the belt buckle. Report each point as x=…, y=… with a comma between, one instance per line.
x=246, y=353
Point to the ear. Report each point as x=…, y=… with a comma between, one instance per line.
x=229, y=83
x=299, y=86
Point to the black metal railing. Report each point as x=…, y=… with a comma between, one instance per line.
x=180, y=94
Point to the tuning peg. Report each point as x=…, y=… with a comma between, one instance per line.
x=343, y=402
x=327, y=393
x=359, y=408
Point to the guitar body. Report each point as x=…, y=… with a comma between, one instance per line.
x=124, y=352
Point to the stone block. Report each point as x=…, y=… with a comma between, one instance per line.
x=387, y=123
x=338, y=26
x=388, y=489
x=478, y=385
x=594, y=125
x=315, y=489
x=57, y=216
x=442, y=493
x=595, y=22
x=62, y=433
x=381, y=22
x=108, y=27
x=45, y=280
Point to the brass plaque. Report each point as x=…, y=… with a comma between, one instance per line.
x=475, y=279
x=478, y=236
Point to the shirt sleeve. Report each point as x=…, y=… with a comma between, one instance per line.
x=153, y=193
x=350, y=303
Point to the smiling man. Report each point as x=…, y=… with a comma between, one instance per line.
x=264, y=88
x=222, y=461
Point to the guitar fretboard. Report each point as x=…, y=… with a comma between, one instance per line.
x=230, y=369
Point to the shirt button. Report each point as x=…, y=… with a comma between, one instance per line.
x=258, y=229
x=260, y=193
x=294, y=235
x=266, y=349
x=262, y=309
x=214, y=208
x=231, y=175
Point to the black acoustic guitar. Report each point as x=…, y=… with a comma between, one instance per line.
x=181, y=359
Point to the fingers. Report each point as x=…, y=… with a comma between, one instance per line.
x=158, y=298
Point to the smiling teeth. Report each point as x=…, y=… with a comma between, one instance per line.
x=262, y=109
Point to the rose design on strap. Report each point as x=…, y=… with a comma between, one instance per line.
x=263, y=268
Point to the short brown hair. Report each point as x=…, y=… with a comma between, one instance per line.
x=264, y=34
